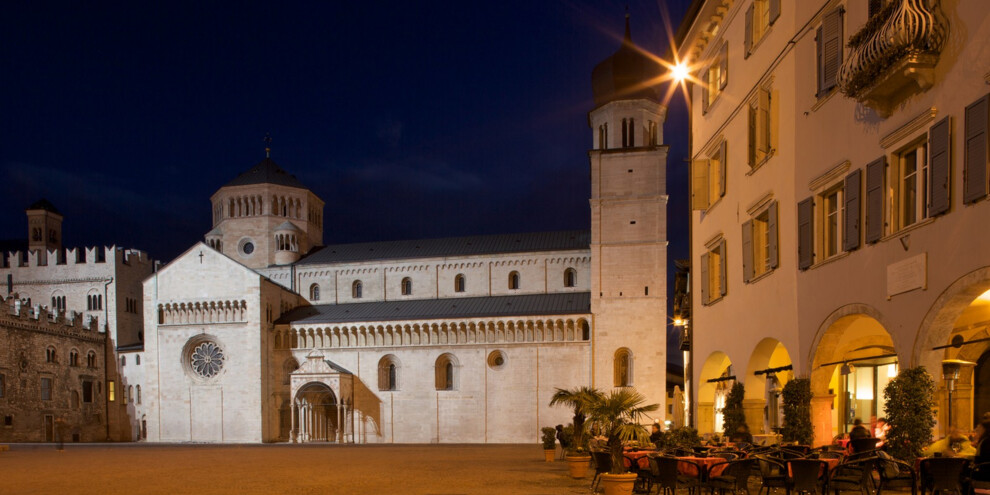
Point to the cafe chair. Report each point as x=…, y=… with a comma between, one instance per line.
x=731, y=477
x=943, y=474
x=807, y=476
x=603, y=464
x=852, y=475
x=773, y=474
x=895, y=474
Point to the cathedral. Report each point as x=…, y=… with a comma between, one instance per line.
x=263, y=333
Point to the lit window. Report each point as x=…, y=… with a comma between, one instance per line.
x=708, y=177
x=760, y=243
x=831, y=222
x=909, y=185
x=514, y=280
x=760, y=128
x=713, y=284
x=622, y=370
x=111, y=396
x=759, y=17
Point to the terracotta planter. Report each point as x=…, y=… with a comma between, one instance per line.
x=618, y=484
x=577, y=465
x=549, y=454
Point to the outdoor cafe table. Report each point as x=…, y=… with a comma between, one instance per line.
x=688, y=469
x=832, y=463
x=639, y=456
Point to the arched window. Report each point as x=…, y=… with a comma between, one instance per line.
x=73, y=358
x=459, y=283
x=356, y=289
x=388, y=368
x=50, y=355
x=513, y=280
x=123, y=361
x=130, y=393
x=623, y=368
x=314, y=292
x=91, y=359
x=139, y=394
x=445, y=369
x=585, y=330
x=137, y=360
x=570, y=277
x=406, y=286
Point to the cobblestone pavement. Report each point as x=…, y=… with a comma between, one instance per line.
x=290, y=469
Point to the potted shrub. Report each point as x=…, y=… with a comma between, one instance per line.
x=733, y=415
x=579, y=399
x=619, y=415
x=910, y=412
x=797, y=412
x=549, y=442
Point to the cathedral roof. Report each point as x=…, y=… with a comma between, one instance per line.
x=287, y=225
x=624, y=75
x=567, y=303
x=44, y=204
x=266, y=172
x=451, y=246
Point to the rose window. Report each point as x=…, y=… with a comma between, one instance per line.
x=207, y=359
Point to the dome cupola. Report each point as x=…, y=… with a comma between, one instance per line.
x=628, y=74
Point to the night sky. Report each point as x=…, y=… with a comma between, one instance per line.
x=410, y=119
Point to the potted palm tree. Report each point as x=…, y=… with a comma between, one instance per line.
x=578, y=399
x=619, y=414
x=549, y=443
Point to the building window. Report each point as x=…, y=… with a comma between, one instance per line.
x=585, y=330
x=628, y=133
x=46, y=389
x=759, y=17
x=73, y=358
x=759, y=238
x=459, y=283
x=760, y=128
x=708, y=177
x=829, y=222
x=603, y=137
x=828, y=51
x=50, y=355
x=908, y=182
x=388, y=368
x=130, y=394
x=570, y=277
x=111, y=395
x=58, y=303
x=137, y=360
x=513, y=280
x=91, y=359
x=314, y=292
x=87, y=387
x=622, y=370
x=3, y=386
x=139, y=394
x=713, y=283
x=445, y=370
x=654, y=137
x=406, y=286
x=8, y=420
x=356, y=289
x=123, y=361
x=715, y=78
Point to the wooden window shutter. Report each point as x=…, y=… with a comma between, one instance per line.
x=774, y=11
x=723, y=66
x=704, y=91
x=851, y=210
x=704, y=278
x=749, y=31
x=975, y=151
x=939, y=161
x=747, y=250
x=751, y=157
x=831, y=47
x=699, y=184
x=806, y=253
x=763, y=122
x=874, y=199
x=723, y=159
x=722, y=255
x=819, y=62
x=772, y=236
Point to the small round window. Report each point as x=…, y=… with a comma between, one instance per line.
x=496, y=360
x=248, y=248
x=245, y=247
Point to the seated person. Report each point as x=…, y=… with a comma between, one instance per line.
x=858, y=431
x=655, y=434
x=880, y=431
x=955, y=444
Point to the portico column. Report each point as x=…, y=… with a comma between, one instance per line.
x=293, y=432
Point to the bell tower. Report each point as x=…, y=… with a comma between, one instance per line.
x=629, y=224
x=44, y=227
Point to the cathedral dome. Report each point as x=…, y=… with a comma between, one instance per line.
x=628, y=74
x=266, y=172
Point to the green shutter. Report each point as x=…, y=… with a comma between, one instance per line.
x=747, y=250
x=806, y=254
x=772, y=236
x=874, y=199
x=938, y=150
x=975, y=151
x=851, y=210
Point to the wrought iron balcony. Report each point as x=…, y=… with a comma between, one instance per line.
x=894, y=55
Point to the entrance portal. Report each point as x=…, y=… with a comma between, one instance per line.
x=316, y=416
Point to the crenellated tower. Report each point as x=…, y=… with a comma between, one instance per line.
x=629, y=224
x=265, y=217
x=44, y=227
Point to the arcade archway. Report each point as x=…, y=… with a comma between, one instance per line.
x=767, y=373
x=315, y=413
x=713, y=384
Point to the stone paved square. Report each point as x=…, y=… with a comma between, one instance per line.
x=272, y=469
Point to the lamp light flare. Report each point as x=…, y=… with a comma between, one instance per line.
x=679, y=71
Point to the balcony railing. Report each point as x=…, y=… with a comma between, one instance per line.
x=894, y=55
